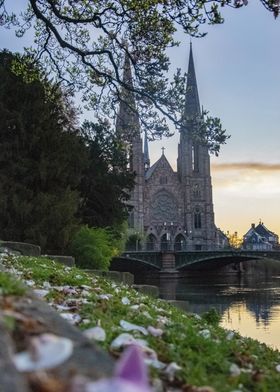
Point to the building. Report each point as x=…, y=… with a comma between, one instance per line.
x=260, y=238
x=171, y=209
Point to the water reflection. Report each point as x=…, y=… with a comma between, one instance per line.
x=249, y=304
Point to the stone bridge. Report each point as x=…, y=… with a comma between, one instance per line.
x=182, y=260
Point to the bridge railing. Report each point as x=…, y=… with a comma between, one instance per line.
x=152, y=258
x=167, y=246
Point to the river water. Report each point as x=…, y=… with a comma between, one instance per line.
x=248, y=303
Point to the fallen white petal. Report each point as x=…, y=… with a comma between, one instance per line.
x=147, y=314
x=105, y=296
x=71, y=317
x=205, y=333
x=125, y=301
x=277, y=367
x=96, y=333
x=132, y=327
x=171, y=369
x=230, y=335
x=46, y=351
x=234, y=370
x=134, y=307
x=126, y=339
x=40, y=293
x=155, y=331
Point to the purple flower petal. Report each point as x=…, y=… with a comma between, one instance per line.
x=131, y=367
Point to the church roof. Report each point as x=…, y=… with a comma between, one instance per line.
x=153, y=168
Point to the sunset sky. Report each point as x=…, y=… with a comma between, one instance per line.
x=238, y=74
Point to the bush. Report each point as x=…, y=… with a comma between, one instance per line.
x=93, y=248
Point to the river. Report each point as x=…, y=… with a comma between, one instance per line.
x=248, y=303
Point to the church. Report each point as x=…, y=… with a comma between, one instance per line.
x=171, y=210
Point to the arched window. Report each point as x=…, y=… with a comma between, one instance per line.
x=197, y=218
x=195, y=165
x=164, y=242
x=151, y=242
x=180, y=243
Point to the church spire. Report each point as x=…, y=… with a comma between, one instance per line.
x=146, y=152
x=127, y=122
x=192, y=106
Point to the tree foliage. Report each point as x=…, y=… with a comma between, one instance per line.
x=85, y=42
x=38, y=176
x=106, y=182
x=93, y=248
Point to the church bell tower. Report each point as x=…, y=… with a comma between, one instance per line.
x=193, y=167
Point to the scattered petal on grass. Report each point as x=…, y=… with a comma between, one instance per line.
x=155, y=331
x=105, y=296
x=130, y=376
x=162, y=321
x=155, y=363
x=230, y=335
x=63, y=308
x=44, y=352
x=96, y=333
x=126, y=339
x=205, y=333
x=132, y=327
x=171, y=370
x=30, y=283
x=234, y=370
x=125, y=301
x=134, y=307
x=147, y=315
x=41, y=293
x=277, y=367
x=71, y=317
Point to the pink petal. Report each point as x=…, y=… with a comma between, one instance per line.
x=131, y=367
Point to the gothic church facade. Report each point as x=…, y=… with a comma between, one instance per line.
x=172, y=210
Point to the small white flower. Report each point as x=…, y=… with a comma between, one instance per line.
x=277, y=367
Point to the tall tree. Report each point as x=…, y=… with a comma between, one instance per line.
x=106, y=181
x=84, y=43
x=39, y=177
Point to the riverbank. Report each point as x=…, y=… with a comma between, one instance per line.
x=186, y=352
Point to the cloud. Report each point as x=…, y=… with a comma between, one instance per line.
x=257, y=166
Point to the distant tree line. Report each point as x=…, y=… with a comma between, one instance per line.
x=55, y=177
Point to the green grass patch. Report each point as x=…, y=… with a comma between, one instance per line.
x=9, y=285
x=199, y=346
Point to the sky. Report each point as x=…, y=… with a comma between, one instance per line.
x=238, y=74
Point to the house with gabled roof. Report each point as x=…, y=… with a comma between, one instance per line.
x=260, y=238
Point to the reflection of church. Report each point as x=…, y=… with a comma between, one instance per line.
x=173, y=210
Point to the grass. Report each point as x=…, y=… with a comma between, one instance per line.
x=10, y=286
x=203, y=350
